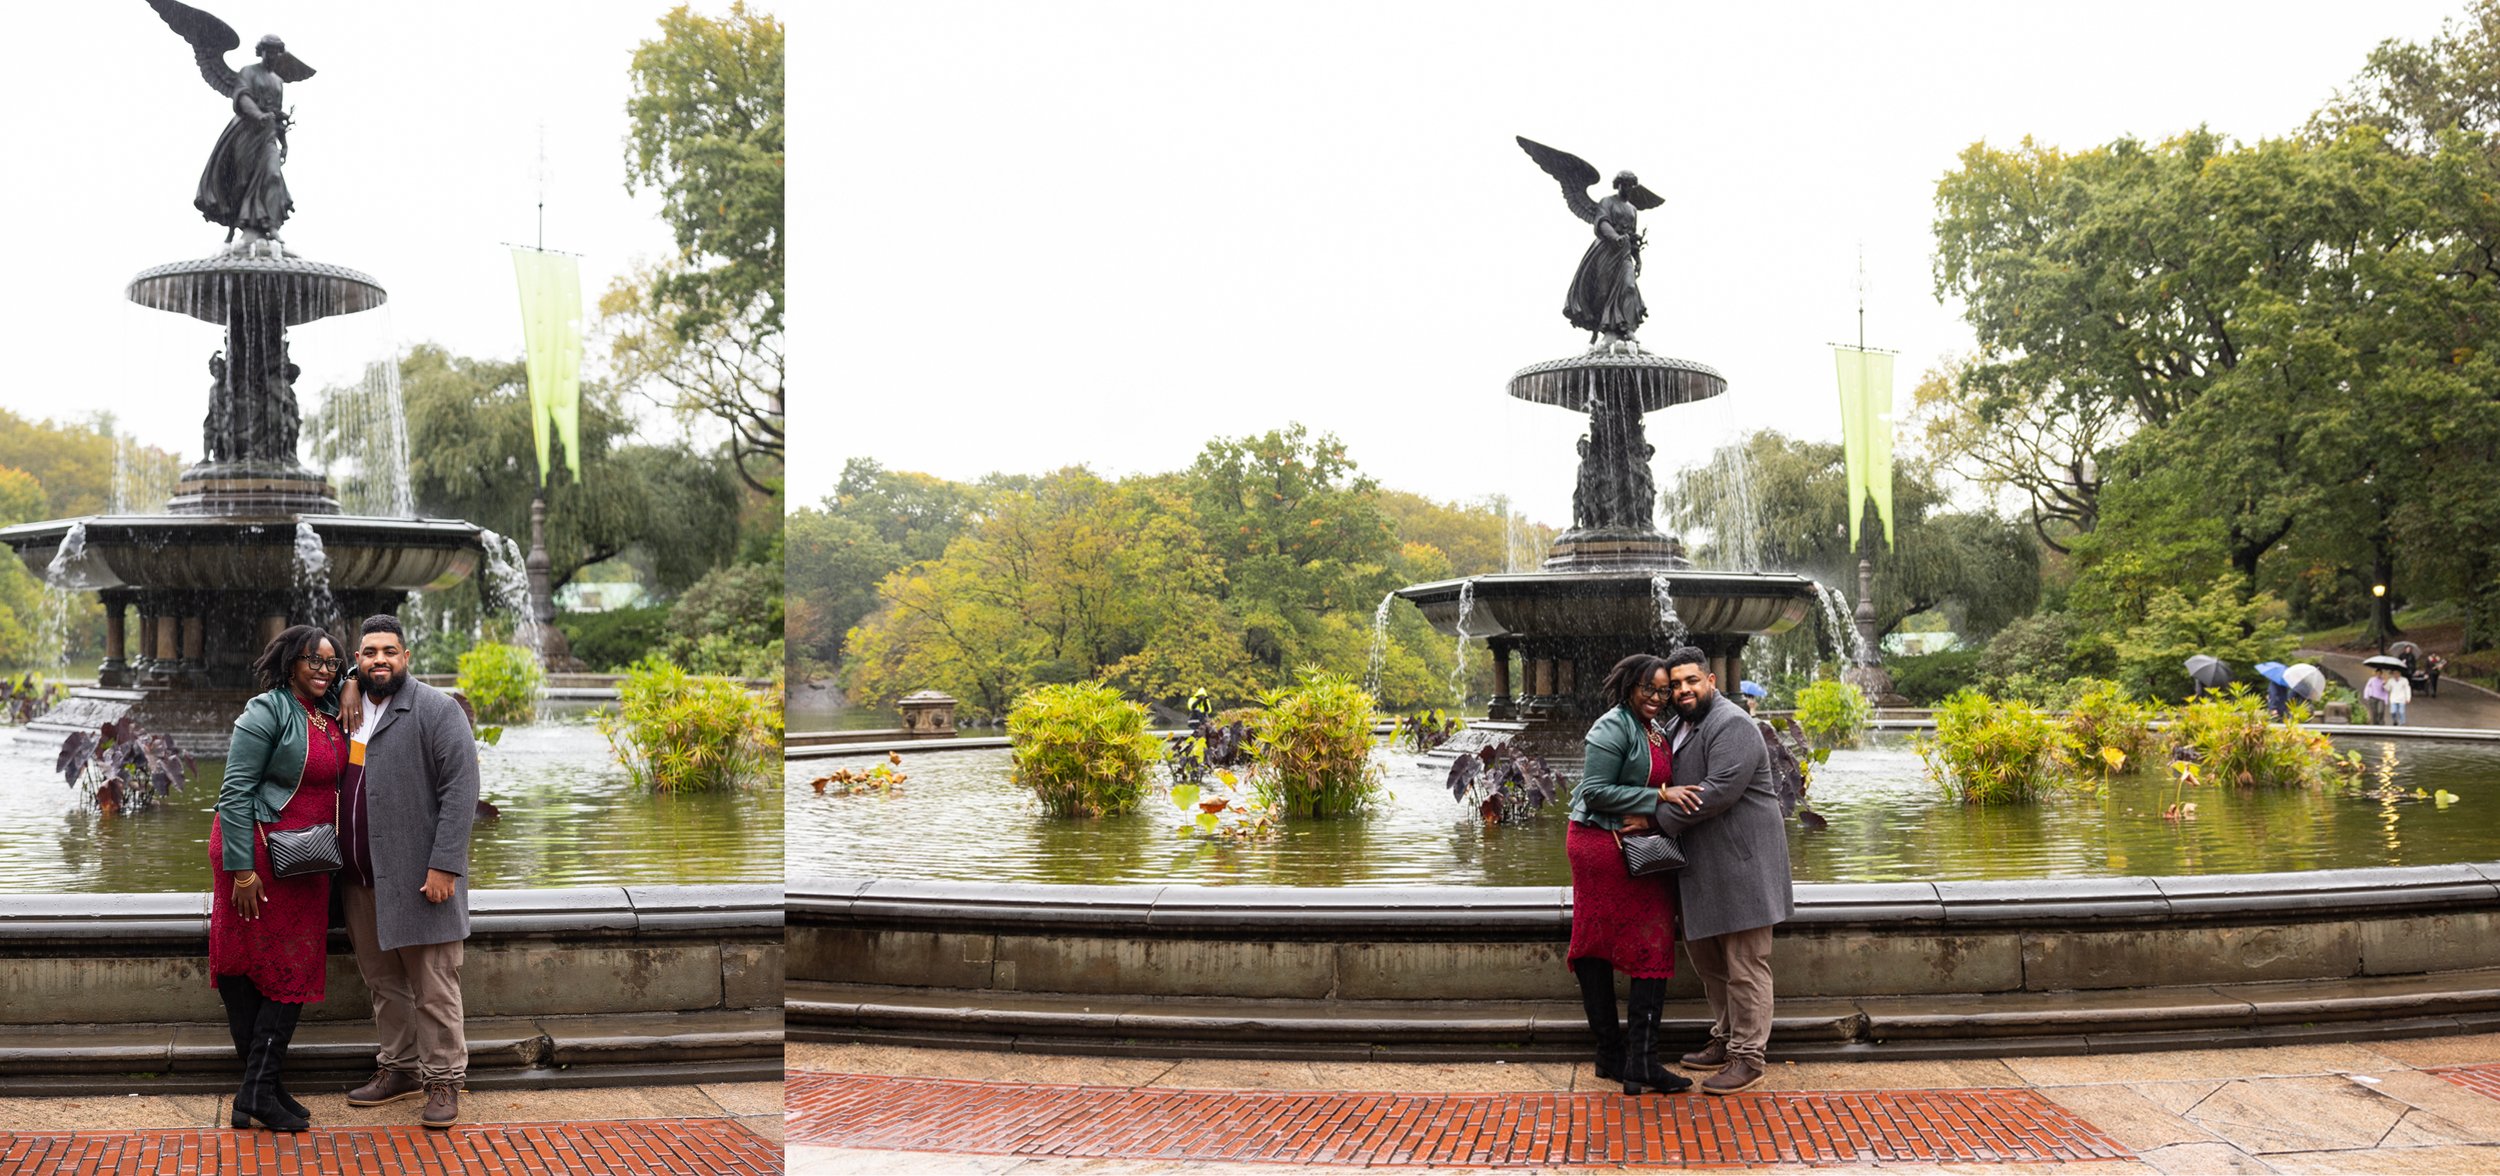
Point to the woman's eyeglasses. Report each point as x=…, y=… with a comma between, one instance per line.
x=331, y=664
x=1656, y=691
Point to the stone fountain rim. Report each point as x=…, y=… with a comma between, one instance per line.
x=1637, y=360
x=188, y=527
x=288, y=266
x=1710, y=582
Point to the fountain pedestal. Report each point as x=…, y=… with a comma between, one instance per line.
x=1613, y=585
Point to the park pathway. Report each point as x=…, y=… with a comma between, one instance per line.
x=2460, y=705
x=2428, y=1105
x=731, y=1129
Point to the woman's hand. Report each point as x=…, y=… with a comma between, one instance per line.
x=247, y=895
x=1683, y=796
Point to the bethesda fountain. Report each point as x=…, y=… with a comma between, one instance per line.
x=251, y=540
x=1613, y=584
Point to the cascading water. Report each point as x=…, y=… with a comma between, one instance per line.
x=1458, y=666
x=73, y=567
x=1838, y=627
x=1736, y=520
x=363, y=442
x=508, y=578
x=312, y=576
x=1670, y=626
x=1379, y=659
x=53, y=624
x=140, y=485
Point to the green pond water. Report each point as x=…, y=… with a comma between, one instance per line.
x=570, y=817
x=960, y=817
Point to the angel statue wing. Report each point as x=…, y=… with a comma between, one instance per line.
x=211, y=39
x=1577, y=177
x=1573, y=172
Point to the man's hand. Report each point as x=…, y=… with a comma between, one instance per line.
x=1683, y=796
x=1637, y=823
x=438, y=885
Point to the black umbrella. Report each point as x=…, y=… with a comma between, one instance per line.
x=2208, y=672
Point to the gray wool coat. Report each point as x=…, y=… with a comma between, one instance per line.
x=1735, y=875
x=420, y=799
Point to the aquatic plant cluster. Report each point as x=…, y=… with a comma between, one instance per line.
x=2009, y=751
x=501, y=681
x=678, y=733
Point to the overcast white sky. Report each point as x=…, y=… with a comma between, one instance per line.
x=1027, y=235
x=415, y=152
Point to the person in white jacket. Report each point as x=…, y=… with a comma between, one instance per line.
x=2399, y=693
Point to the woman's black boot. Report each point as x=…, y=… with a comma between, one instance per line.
x=263, y=1066
x=1597, y=999
x=1641, y=1071
x=243, y=1000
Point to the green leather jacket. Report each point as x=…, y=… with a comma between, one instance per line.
x=263, y=766
x=1614, y=778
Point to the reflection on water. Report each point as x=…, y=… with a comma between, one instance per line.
x=1888, y=823
x=570, y=818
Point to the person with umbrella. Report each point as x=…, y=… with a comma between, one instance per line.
x=2305, y=682
x=2278, y=690
x=1752, y=691
x=2374, y=692
x=2208, y=672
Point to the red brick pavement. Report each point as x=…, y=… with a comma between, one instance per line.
x=2483, y=1079
x=691, y=1147
x=1488, y=1130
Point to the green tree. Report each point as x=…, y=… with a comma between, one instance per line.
x=703, y=330
x=471, y=457
x=1980, y=570
x=1303, y=543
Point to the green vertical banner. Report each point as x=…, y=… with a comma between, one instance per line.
x=551, y=326
x=1866, y=433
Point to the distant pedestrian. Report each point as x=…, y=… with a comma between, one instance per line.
x=2278, y=700
x=2399, y=695
x=2432, y=667
x=2374, y=697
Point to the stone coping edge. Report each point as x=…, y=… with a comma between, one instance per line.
x=642, y=910
x=1440, y=911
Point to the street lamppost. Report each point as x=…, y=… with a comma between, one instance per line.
x=2378, y=597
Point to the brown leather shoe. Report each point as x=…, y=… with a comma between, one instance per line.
x=386, y=1086
x=1707, y=1058
x=1740, y=1074
x=442, y=1105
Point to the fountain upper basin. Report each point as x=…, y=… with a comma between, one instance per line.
x=196, y=552
x=1608, y=603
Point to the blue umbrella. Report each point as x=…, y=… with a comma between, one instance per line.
x=2273, y=672
x=1753, y=689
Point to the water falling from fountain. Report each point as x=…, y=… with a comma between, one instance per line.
x=140, y=485
x=1458, y=666
x=508, y=577
x=73, y=567
x=1670, y=626
x=312, y=576
x=1736, y=520
x=52, y=626
x=365, y=443
x=1837, y=625
x=1380, y=645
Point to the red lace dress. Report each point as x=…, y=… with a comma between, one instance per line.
x=286, y=950
x=1626, y=921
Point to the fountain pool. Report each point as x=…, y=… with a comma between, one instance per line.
x=1887, y=824
x=570, y=818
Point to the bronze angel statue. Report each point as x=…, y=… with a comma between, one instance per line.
x=244, y=185
x=1605, y=297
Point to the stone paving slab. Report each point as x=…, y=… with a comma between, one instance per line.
x=1512, y=1129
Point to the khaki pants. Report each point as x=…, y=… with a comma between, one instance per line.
x=1736, y=979
x=416, y=997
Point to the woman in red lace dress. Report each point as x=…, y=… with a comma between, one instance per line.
x=268, y=937
x=1620, y=923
